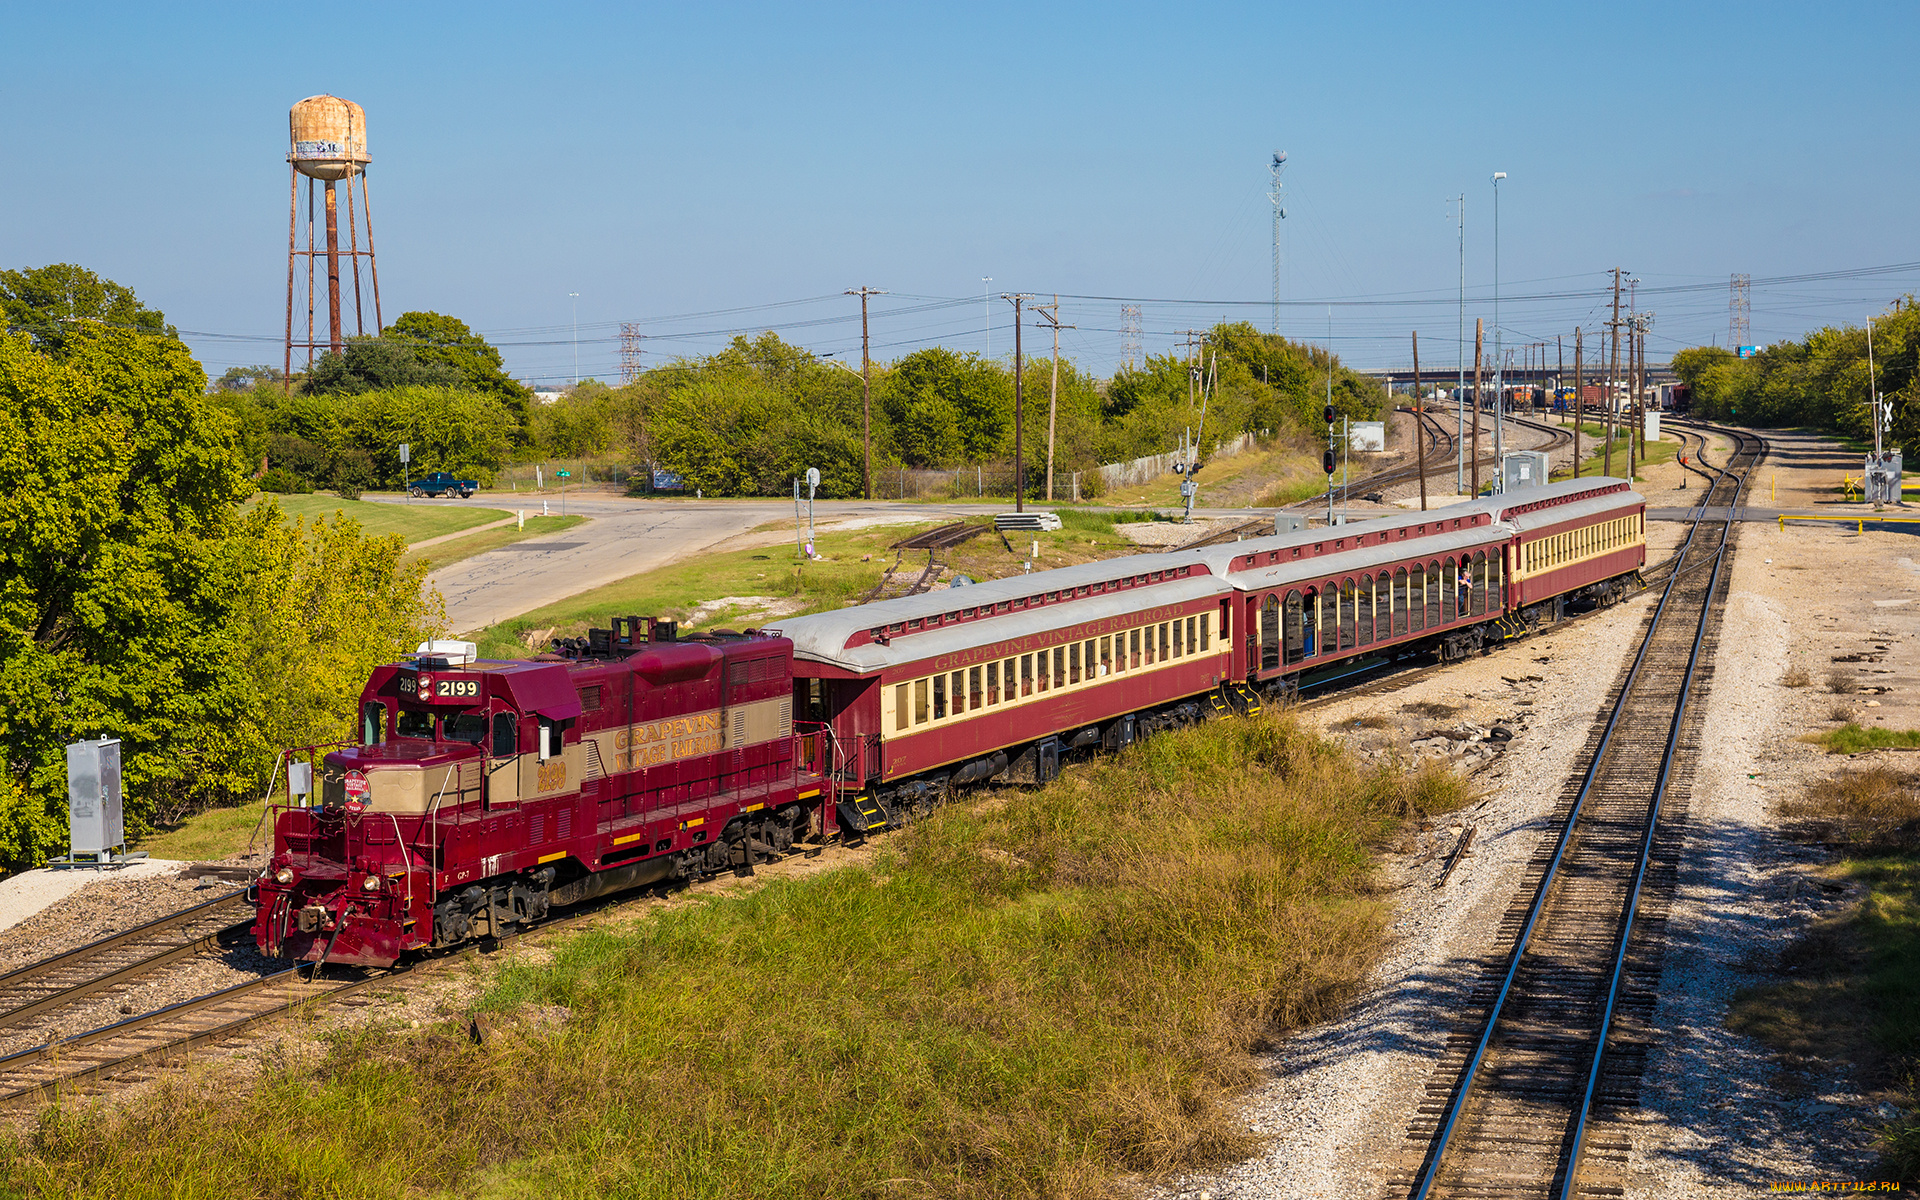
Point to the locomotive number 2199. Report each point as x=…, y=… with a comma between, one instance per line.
x=449, y=689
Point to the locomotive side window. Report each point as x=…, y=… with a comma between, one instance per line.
x=919, y=702
x=464, y=727
x=901, y=706
x=373, y=724
x=503, y=734
x=412, y=724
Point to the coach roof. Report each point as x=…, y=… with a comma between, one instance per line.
x=824, y=636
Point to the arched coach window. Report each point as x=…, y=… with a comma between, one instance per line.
x=1294, y=633
x=1363, y=610
x=1449, y=593
x=1309, y=617
x=1346, y=615
x=1480, y=584
x=1329, y=617
x=1400, y=602
x=1270, y=632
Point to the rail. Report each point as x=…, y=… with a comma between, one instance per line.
x=1537, y=908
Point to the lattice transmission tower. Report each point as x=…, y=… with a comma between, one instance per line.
x=1739, y=311
x=1129, y=334
x=630, y=338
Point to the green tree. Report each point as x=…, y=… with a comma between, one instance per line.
x=446, y=341
x=138, y=602
x=46, y=302
x=371, y=364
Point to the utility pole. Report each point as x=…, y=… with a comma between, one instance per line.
x=866, y=393
x=1193, y=344
x=1613, y=369
x=1018, y=299
x=1479, y=340
x=1051, y=314
x=1579, y=394
x=1419, y=433
x=1460, y=360
x=1277, y=165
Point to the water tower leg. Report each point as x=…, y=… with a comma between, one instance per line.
x=333, y=272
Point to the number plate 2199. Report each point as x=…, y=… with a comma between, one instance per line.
x=456, y=689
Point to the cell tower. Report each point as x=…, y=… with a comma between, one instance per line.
x=1278, y=165
x=630, y=337
x=329, y=145
x=1739, y=309
x=1129, y=334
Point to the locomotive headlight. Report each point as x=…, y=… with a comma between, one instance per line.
x=283, y=876
x=371, y=883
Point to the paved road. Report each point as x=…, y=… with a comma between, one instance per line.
x=624, y=537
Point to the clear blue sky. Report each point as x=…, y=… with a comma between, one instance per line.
x=677, y=160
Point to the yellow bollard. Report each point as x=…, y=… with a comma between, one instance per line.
x=1783, y=522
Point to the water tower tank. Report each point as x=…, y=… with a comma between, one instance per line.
x=329, y=137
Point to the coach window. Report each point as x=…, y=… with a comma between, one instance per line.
x=1193, y=643
x=901, y=706
x=959, y=692
x=1026, y=675
x=1293, y=640
x=973, y=688
x=1106, y=656
x=1346, y=615
x=1179, y=641
x=1206, y=630
x=1073, y=663
x=1270, y=629
x=1480, y=584
x=993, y=684
x=920, y=709
x=1449, y=588
x=1166, y=643
x=1365, y=611
x=1133, y=650
x=1399, y=603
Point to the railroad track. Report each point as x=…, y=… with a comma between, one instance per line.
x=1529, y=1102
x=41, y=989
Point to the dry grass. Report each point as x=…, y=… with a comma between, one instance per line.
x=1841, y=711
x=1875, y=807
x=1026, y=996
x=1842, y=683
x=1432, y=709
x=1796, y=677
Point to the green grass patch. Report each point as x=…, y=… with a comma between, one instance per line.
x=1852, y=738
x=1028, y=995
x=1661, y=451
x=207, y=836
x=413, y=522
x=449, y=552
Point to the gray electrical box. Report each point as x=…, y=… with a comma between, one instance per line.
x=1523, y=469
x=93, y=797
x=1882, y=478
x=1289, y=522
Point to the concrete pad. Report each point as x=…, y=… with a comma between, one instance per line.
x=31, y=891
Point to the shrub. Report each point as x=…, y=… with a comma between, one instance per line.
x=1796, y=677
x=1875, y=806
x=285, y=482
x=1842, y=683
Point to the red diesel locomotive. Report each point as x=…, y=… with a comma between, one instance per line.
x=479, y=794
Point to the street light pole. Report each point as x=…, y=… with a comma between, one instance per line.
x=1499, y=360
x=1460, y=367
x=1017, y=299
x=576, y=337
x=987, y=291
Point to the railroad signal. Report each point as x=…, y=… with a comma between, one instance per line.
x=1327, y=463
x=1329, y=414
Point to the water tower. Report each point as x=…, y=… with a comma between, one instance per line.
x=329, y=147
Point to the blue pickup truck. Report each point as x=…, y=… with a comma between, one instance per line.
x=442, y=484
